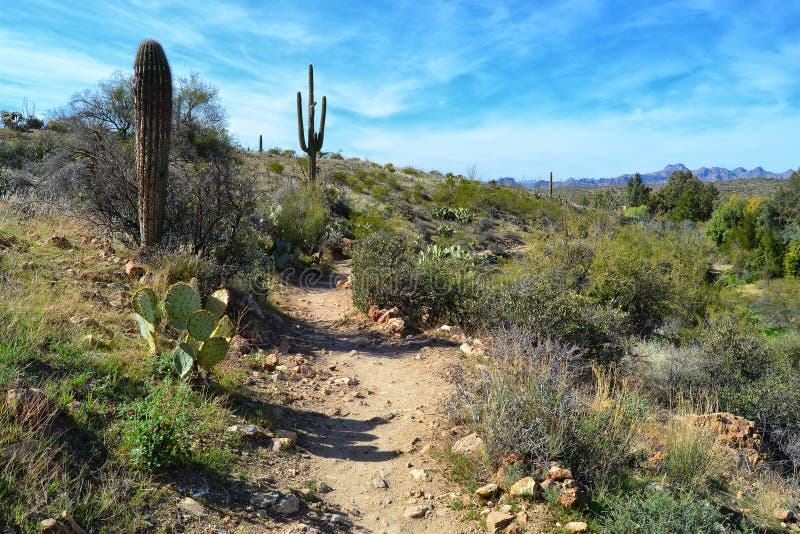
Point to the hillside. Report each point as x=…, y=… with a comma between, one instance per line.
x=706, y=174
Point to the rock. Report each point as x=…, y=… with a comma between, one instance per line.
x=374, y=313
x=288, y=434
x=418, y=474
x=248, y=431
x=278, y=377
x=396, y=326
x=345, y=381
x=323, y=487
x=573, y=498
x=783, y=514
x=289, y=505
x=486, y=492
x=415, y=512
x=240, y=344
x=733, y=431
x=134, y=270
x=497, y=521
x=470, y=445
x=576, y=526
x=391, y=313
x=281, y=444
x=466, y=348
x=192, y=506
x=51, y=526
x=379, y=483
x=559, y=473
x=524, y=487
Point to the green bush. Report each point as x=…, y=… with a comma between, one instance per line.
x=380, y=192
x=276, y=167
x=157, y=429
x=384, y=273
x=684, y=197
x=791, y=261
x=541, y=303
x=660, y=512
x=302, y=217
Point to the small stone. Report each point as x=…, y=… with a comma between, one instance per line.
x=289, y=505
x=291, y=435
x=470, y=445
x=524, y=487
x=497, y=521
x=576, y=526
x=506, y=508
x=51, y=526
x=281, y=444
x=783, y=514
x=379, y=483
x=192, y=506
x=134, y=270
x=418, y=474
x=486, y=492
x=323, y=487
x=415, y=512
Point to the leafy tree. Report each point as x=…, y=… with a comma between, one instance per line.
x=685, y=197
x=637, y=192
x=787, y=201
x=791, y=262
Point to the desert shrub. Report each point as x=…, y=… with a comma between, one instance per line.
x=380, y=192
x=156, y=430
x=526, y=404
x=693, y=457
x=791, y=261
x=449, y=288
x=660, y=512
x=732, y=355
x=302, y=217
x=543, y=305
x=636, y=211
x=602, y=449
x=276, y=167
x=384, y=273
x=338, y=176
x=459, y=215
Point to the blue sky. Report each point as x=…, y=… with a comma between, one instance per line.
x=583, y=88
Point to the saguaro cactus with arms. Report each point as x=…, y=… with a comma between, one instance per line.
x=314, y=139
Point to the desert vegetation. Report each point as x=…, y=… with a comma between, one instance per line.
x=635, y=354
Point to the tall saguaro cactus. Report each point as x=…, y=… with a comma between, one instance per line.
x=314, y=139
x=152, y=102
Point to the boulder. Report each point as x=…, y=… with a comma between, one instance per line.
x=524, y=487
x=415, y=512
x=573, y=498
x=288, y=505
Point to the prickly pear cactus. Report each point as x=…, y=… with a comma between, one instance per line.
x=205, y=334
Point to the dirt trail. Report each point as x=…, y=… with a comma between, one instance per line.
x=365, y=441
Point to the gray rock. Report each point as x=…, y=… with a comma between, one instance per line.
x=289, y=505
x=379, y=483
x=192, y=506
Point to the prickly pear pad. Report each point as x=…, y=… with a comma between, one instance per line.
x=212, y=351
x=145, y=303
x=181, y=301
x=201, y=324
x=218, y=302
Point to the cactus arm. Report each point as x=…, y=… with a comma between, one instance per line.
x=300, y=132
x=321, y=134
x=311, y=105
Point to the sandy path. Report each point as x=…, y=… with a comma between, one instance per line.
x=382, y=436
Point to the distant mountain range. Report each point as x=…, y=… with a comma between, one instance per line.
x=706, y=174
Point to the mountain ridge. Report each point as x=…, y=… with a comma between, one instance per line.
x=706, y=174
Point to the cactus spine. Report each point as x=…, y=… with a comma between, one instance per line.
x=152, y=102
x=314, y=139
